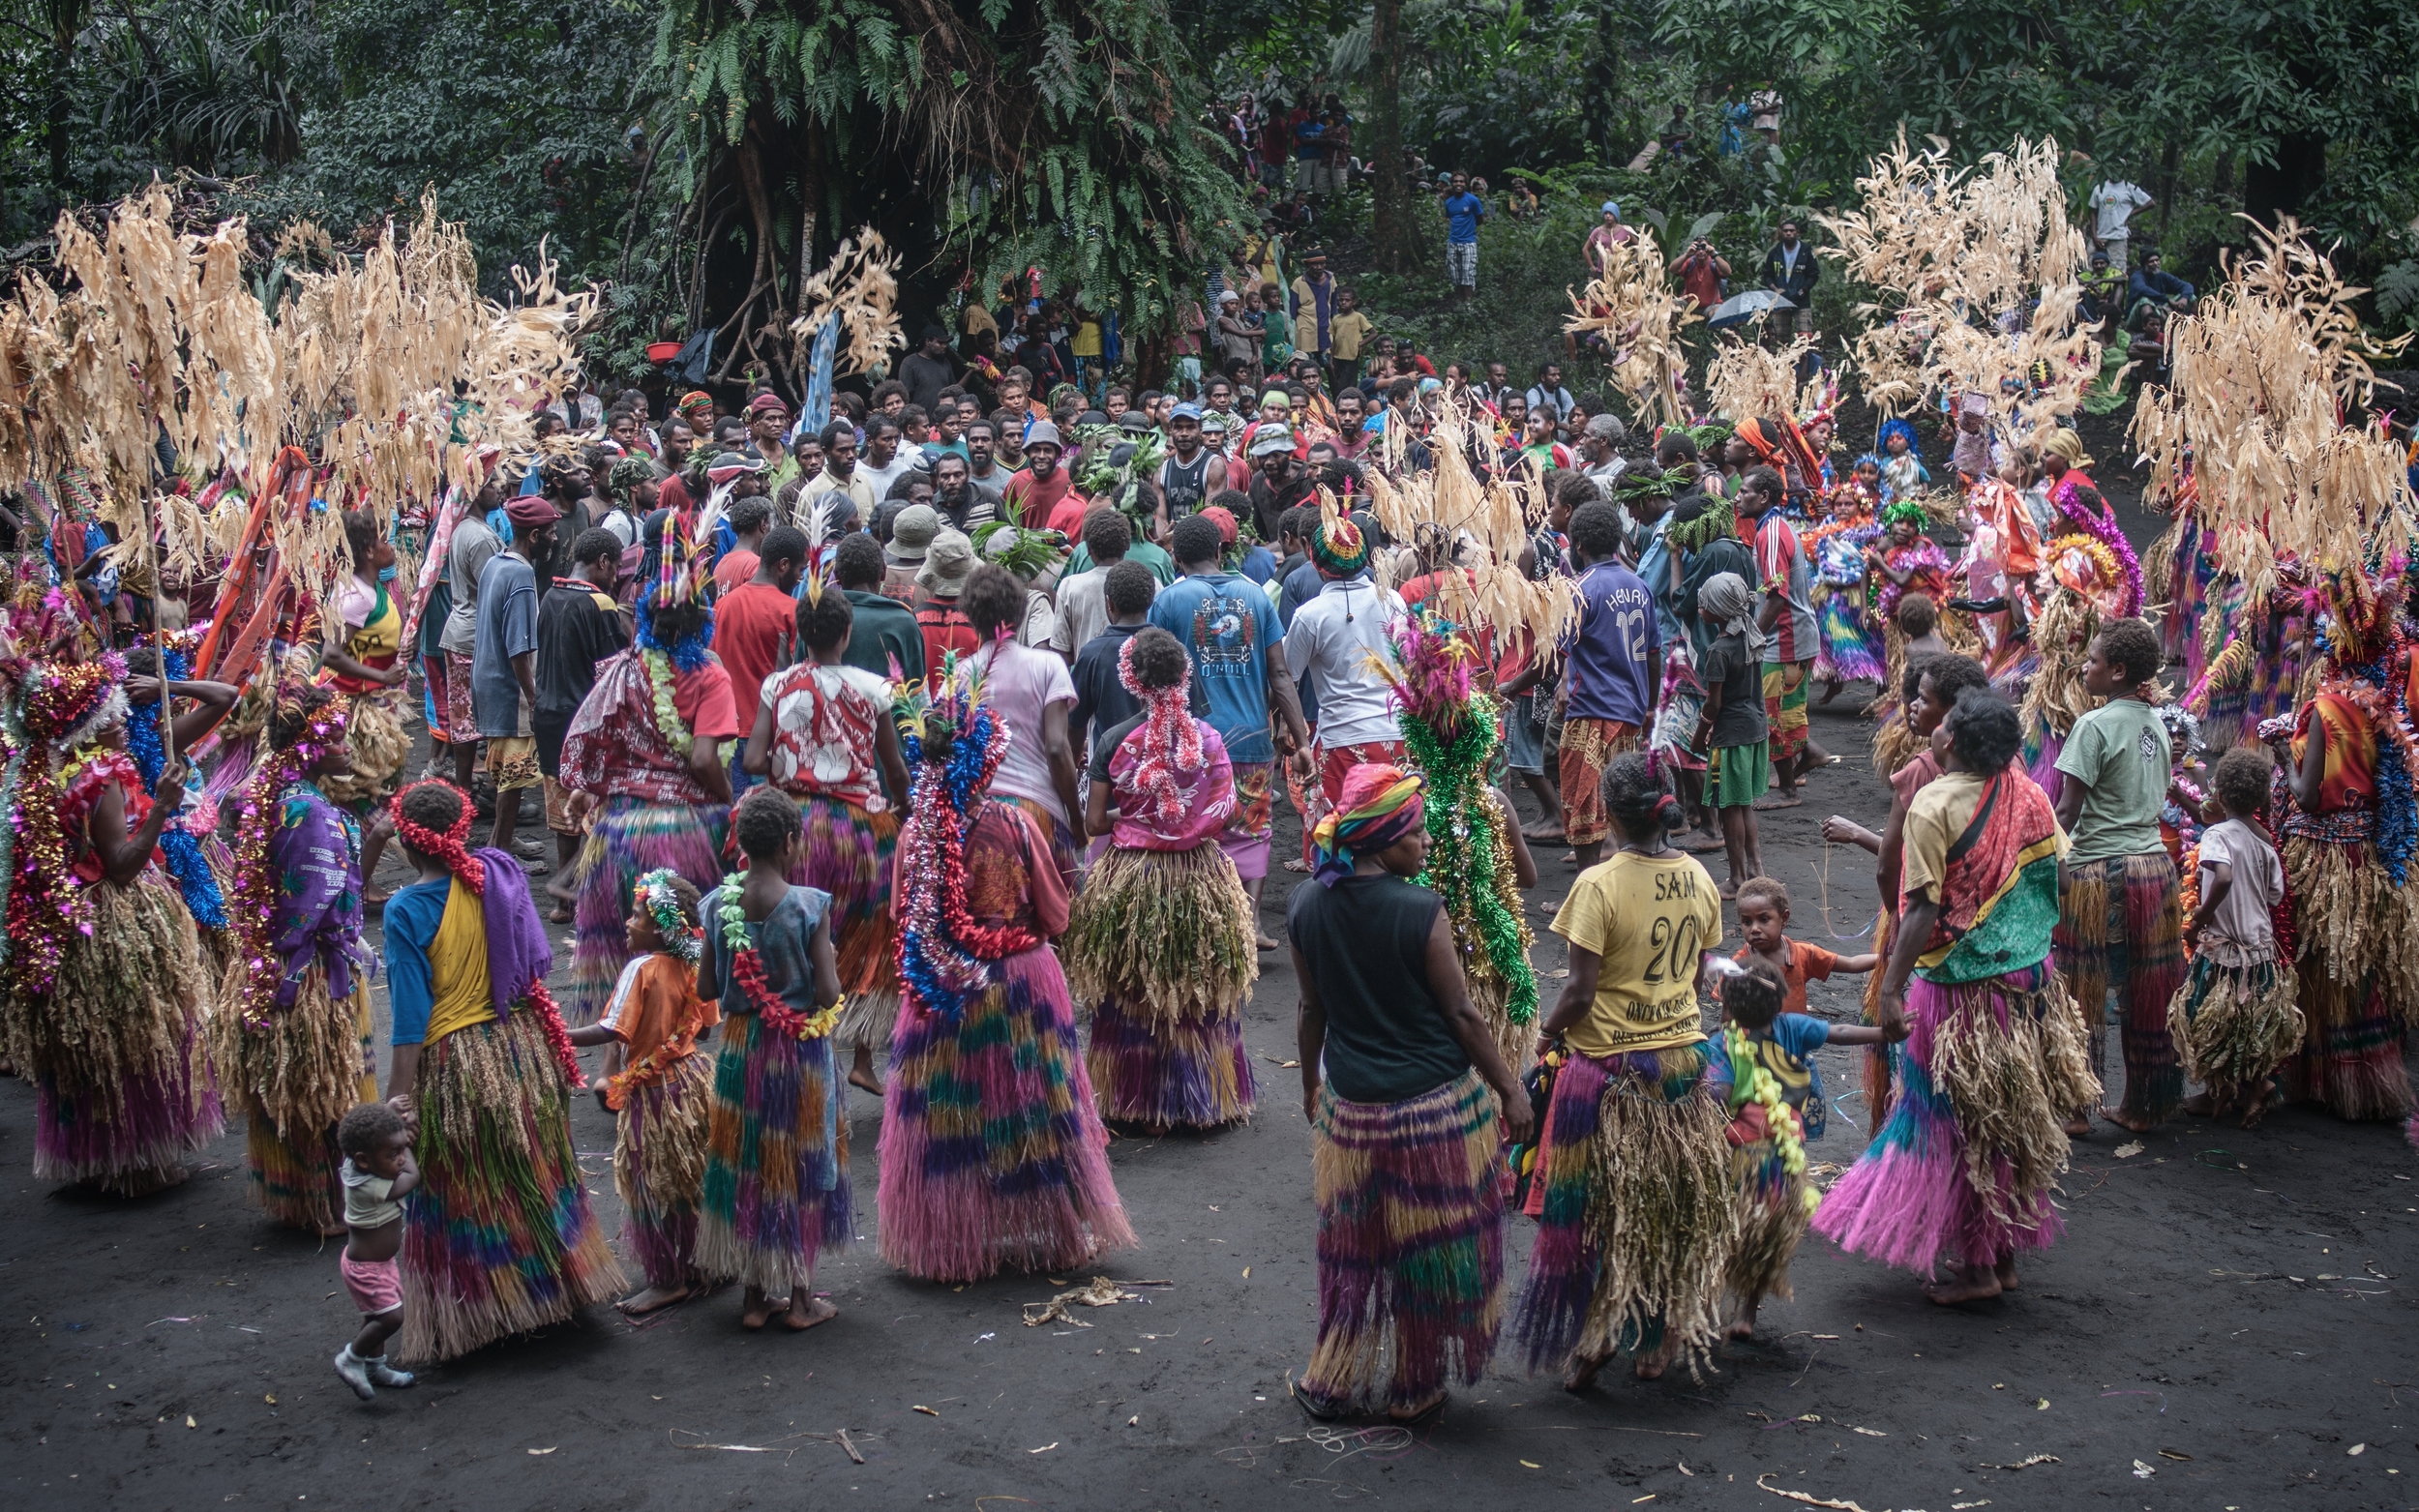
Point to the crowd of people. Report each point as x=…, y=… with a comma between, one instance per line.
x=934, y=751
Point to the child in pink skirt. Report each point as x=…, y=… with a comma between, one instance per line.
x=378, y=1170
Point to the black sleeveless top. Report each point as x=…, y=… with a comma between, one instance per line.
x=1183, y=486
x=1365, y=940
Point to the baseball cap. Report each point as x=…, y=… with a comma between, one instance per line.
x=1220, y=518
x=1271, y=439
x=1187, y=410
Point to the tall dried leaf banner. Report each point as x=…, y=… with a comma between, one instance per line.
x=2263, y=372
x=1746, y=380
x=860, y=285
x=1633, y=307
x=389, y=374
x=1491, y=520
x=1980, y=274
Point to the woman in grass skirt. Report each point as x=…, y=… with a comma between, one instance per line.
x=644, y=753
x=293, y=1036
x=1995, y=1046
x=776, y=1150
x=993, y=1154
x=1633, y=1190
x=498, y=1238
x=1159, y=942
x=111, y=995
x=822, y=734
x=364, y=665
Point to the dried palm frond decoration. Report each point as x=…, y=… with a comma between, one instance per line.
x=1488, y=522
x=378, y=383
x=2261, y=372
x=860, y=286
x=1746, y=380
x=1980, y=274
x=1631, y=304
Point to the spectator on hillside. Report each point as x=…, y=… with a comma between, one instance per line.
x=1791, y=271
x=928, y=370
x=1701, y=272
x=2151, y=282
x=1548, y=397
x=1606, y=234
x=1313, y=307
x=1463, y=212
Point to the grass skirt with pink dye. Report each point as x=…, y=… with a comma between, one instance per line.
x=848, y=855
x=1976, y=1138
x=659, y=1169
x=777, y=1189
x=498, y=1238
x=992, y=1156
x=1159, y=947
x=1637, y=1221
x=629, y=838
x=118, y=1052
x=1411, y=1244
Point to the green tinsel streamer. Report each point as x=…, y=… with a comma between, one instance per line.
x=1461, y=848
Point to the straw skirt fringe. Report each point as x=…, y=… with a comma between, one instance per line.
x=2356, y=958
x=294, y=1079
x=2234, y=1025
x=659, y=1169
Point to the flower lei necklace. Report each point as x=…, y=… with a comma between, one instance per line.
x=681, y=937
x=747, y=968
x=659, y=676
x=1756, y=1085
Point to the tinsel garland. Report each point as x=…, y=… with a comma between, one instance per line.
x=182, y=849
x=681, y=939
x=747, y=968
x=659, y=678
x=2398, y=767
x=45, y=905
x=1172, y=742
x=1752, y=1084
x=279, y=778
x=2102, y=527
x=2188, y=896
x=946, y=959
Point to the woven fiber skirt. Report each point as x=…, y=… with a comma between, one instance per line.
x=498, y=1238
x=993, y=1155
x=118, y=1054
x=848, y=855
x=378, y=744
x=1962, y=1170
x=1636, y=1222
x=295, y=1079
x=1773, y=1219
x=1411, y=1244
x=629, y=839
x=1159, y=947
x=659, y=1169
x=2356, y=950
x=776, y=1160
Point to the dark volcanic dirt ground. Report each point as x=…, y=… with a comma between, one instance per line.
x=2224, y=1327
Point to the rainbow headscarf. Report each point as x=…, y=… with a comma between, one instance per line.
x=1380, y=805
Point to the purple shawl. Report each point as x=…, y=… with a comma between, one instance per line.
x=316, y=854
x=517, y=950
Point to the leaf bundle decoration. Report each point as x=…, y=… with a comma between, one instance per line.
x=1633, y=307
x=859, y=287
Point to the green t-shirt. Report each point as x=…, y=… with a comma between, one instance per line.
x=1162, y=565
x=2121, y=753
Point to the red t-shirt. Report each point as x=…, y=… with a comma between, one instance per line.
x=703, y=701
x=754, y=626
x=1034, y=502
x=737, y=566
x=945, y=628
x=1068, y=518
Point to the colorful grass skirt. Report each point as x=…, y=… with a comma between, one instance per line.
x=659, y=1169
x=1411, y=1244
x=498, y=1237
x=294, y=1081
x=993, y=1155
x=2235, y=1025
x=777, y=1188
x=627, y=839
x=2357, y=950
x=848, y=855
x=2120, y=930
x=1784, y=709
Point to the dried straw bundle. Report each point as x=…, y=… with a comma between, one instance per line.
x=1633, y=305
x=859, y=286
x=1958, y=256
x=1746, y=380
x=2262, y=370
x=1492, y=520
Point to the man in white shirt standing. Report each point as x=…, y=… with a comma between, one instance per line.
x=2115, y=203
x=1332, y=641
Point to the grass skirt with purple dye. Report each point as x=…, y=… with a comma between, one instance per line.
x=294, y=1079
x=1411, y=1244
x=993, y=1155
x=1637, y=1223
x=2359, y=946
x=498, y=1238
x=848, y=855
x=1976, y=1138
x=118, y=1052
x=777, y=1189
x=1159, y=946
x=659, y=1169
x=2121, y=931
x=629, y=838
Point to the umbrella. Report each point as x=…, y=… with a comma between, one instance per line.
x=1739, y=308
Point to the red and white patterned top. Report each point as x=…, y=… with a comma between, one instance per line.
x=825, y=719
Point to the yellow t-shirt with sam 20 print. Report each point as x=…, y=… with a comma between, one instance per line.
x=1649, y=919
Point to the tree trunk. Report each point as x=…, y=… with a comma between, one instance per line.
x=1602, y=93
x=1391, y=215
x=2282, y=189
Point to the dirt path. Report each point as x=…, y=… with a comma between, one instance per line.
x=2223, y=1326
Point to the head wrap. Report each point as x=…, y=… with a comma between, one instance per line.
x=693, y=400
x=2068, y=444
x=1379, y=806
x=1725, y=599
x=1339, y=549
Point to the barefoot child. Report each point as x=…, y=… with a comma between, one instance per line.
x=2234, y=1020
x=659, y=1085
x=2120, y=930
x=777, y=1151
x=1636, y=1222
x=1775, y=1104
x=1732, y=728
x=379, y=1172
